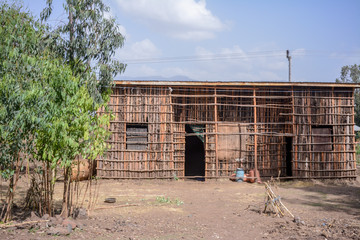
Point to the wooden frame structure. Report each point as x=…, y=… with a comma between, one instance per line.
x=297, y=130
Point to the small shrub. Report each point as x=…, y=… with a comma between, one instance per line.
x=162, y=199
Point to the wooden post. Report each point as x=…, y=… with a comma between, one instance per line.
x=216, y=134
x=116, y=134
x=294, y=133
x=353, y=127
x=255, y=132
x=206, y=137
x=171, y=125
x=335, y=131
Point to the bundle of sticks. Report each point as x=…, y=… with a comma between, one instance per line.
x=275, y=203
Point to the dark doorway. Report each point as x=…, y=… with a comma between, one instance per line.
x=288, y=156
x=194, y=150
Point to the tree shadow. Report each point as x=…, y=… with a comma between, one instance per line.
x=332, y=197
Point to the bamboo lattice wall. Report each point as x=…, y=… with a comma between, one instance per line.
x=241, y=126
x=324, y=142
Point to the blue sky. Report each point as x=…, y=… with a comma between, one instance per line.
x=231, y=40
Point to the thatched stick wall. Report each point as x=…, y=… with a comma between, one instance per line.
x=324, y=143
x=304, y=129
x=150, y=111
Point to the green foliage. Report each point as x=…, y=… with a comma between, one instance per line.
x=163, y=199
x=21, y=95
x=357, y=149
x=351, y=74
x=358, y=154
x=70, y=126
x=88, y=44
x=50, y=90
x=42, y=103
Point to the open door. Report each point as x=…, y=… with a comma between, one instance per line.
x=194, y=150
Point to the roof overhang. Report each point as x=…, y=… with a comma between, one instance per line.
x=235, y=84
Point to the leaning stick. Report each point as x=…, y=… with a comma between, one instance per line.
x=269, y=188
x=118, y=206
x=286, y=208
x=274, y=204
x=23, y=223
x=281, y=203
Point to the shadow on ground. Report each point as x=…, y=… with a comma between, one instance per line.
x=331, y=197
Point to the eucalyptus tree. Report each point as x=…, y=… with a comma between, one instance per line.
x=89, y=38
x=351, y=74
x=69, y=129
x=87, y=42
x=22, y=97
x=49, y=93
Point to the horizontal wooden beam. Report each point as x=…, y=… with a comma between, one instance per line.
x=234, y=84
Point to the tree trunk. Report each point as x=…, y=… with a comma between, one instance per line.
x=66, y=205
x=48, y=189
x=11, y=192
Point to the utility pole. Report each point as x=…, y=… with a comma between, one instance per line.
x=289, y=58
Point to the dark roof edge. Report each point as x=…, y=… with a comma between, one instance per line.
x=235, y=83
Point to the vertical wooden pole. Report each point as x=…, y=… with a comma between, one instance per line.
x=255, y=132
x=216, y=134
x=294, y=133
x=344, y=157
x=206, y=131
x=309, y=132
x=353, y=132
x=335, y=132
x=118, y=138
x=126, y=115
x=170, y=121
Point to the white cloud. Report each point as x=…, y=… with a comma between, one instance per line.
x=183, y=19
x=200, y=51
x=235, y=49
x=145, y=70
x=174, y=71
x=138, y=50
x=233, y=63
x=228, y=61
x=226, y=64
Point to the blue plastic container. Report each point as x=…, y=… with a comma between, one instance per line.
x=240, y=174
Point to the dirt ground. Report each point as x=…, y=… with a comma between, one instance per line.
x=213, y=209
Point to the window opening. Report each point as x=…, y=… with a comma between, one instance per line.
x=136, y=137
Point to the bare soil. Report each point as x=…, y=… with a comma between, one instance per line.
x=213, y=209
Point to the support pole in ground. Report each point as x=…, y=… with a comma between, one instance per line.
x=255, y=135
x=216, y=135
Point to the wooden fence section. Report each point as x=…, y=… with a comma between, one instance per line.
x=142, y=117
x=179, y=149
x=324, y=142
x=289, y=131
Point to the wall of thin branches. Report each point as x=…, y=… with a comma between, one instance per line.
x=290, y=131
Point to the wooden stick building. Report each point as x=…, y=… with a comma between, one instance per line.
x=209, y=129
